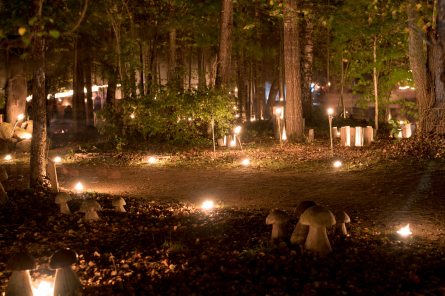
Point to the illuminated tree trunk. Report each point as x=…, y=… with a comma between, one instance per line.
x=294, y=108
x=89, y=87
x=225, y=44
x=375, y=80
x=79, y=115
x=171, y=72
x=306, y=67
x=38, y=140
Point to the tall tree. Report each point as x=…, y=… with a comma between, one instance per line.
x=225, y=44
x=38, y=140
x=294, y=108
x=306, y=66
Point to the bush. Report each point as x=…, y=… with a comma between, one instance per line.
x=170, y=116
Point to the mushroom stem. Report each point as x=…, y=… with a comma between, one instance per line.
x=120, y=209
x=19, y=284
x=317, y=241
x=279, y=230
x=299, y=235
x=340, y=229
x=3, y=195
x=64, y=209
x=91, y=215
x=66, y=282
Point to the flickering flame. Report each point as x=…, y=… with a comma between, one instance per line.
x=330, y=111
x=20, y=117
x=337, y=164
x=237, y=129
x=207, y=205
x=28, y=98
x=404, y=231
x=44, y=289
x=245, y=162
x=132, y=115
x=78, y=186
x=151, y=160
x=57, y=159
x=8, y=157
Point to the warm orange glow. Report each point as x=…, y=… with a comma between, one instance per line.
x=78, y=186
x=404, y=231
x=44, y=289
x=337, y=164
x=245, y=162
x=151, y=160
x=57, y=159
x=207, y=205
x=8, y=157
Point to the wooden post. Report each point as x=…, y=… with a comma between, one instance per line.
x=51, y=168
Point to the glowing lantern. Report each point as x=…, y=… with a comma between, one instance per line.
x=245, y=162
x=404, y=231
x=207, y=205
x=151, y=160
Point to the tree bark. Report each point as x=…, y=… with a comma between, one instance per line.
x=306, y=67
x=89, y=87
x=375, y=80
x=79, y=115
x=294, y=108
x=240, y=80
x=281, y=60
x=38, y=140
x=171, y=72
x=201, y=69
x=418, y=67
x=441, y=33
x=225, y=44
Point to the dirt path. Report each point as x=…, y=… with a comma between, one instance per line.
x=376, y=199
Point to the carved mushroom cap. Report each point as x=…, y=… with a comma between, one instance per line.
x=62, y=258
x=118, y=201
x=21, y=261
x=317, y=216
x=342, y=217
x=89, y=205
x=277, y=216
x=3, y=175
x=62, y=197
x=303, y=206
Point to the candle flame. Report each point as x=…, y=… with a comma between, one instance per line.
x=337, y=164
x=57, y=159
x=26, y=136
x=151, y=160
x=8, y=157
x=404, y=231
x=207, y=205
x=245, y=161
x=44, y=289
x=237, y=129
x=78, y=186
x=20, y=117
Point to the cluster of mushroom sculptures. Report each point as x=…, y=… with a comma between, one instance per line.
x=310, y=230
x=66, y=281
x=89, y=206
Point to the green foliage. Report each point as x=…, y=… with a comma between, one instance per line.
x=171, y=116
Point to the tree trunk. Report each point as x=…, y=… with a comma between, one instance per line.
x=441, y=33
x=240, y=80
x=416, y=58
x=201, y=69
x=111, y=89
x=281, y=60
x=341, y=87
x=78, y=91
x=306, y=67
x=294, y=108
x=89, y=87
x=38, y=140
x=16, y=85
x=375, y=80
x=171, y=72
x=225, y=44
x=272, y=95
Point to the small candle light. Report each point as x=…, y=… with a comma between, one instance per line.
x=330, y=111
x=404, y=231
x=237, y=129
x=78, y=187
x=132, y=115
x=337, y=164
x=44, y=289
x=8, y=157
x=245, y=162
x=151, y=160
x=20, y=117
x=26, y=136
x=207, y=205
x=57, y=159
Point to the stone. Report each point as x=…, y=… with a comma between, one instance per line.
x=5, y=130
x=28, y=125
x=20, y=133
x=23, y=146
x=311, y=135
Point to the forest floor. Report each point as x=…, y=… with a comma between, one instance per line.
x=167, y=245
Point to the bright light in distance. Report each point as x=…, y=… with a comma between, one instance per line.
x=29, y=98
x=44, y=289
x=281, y=99
x=330, y=111
x=338, y=134
x=151, y=160
x=57, y=159
x=78, y=186
x=237, y=115
x=234, y=107
x=207, y=205
x=337, y=164
x=404, y=231
x=329, y=84
x=245, y=162
x=132, y=115
x=237, y=129
x=8, y=157
x=233, y=143
x=236, y=89
x=20, y=117
x=278, y=111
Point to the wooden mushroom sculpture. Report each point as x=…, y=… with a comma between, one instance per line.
x=89, y=207
x=318, y=218
x=118, y=204
x=340, y=227
x=300, y=232
x=20, y=282
x=61, y=199
x=66, y=282
x=278, y=219
x=3, y=195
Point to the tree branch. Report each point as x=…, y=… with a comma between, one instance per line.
x=82, y=16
